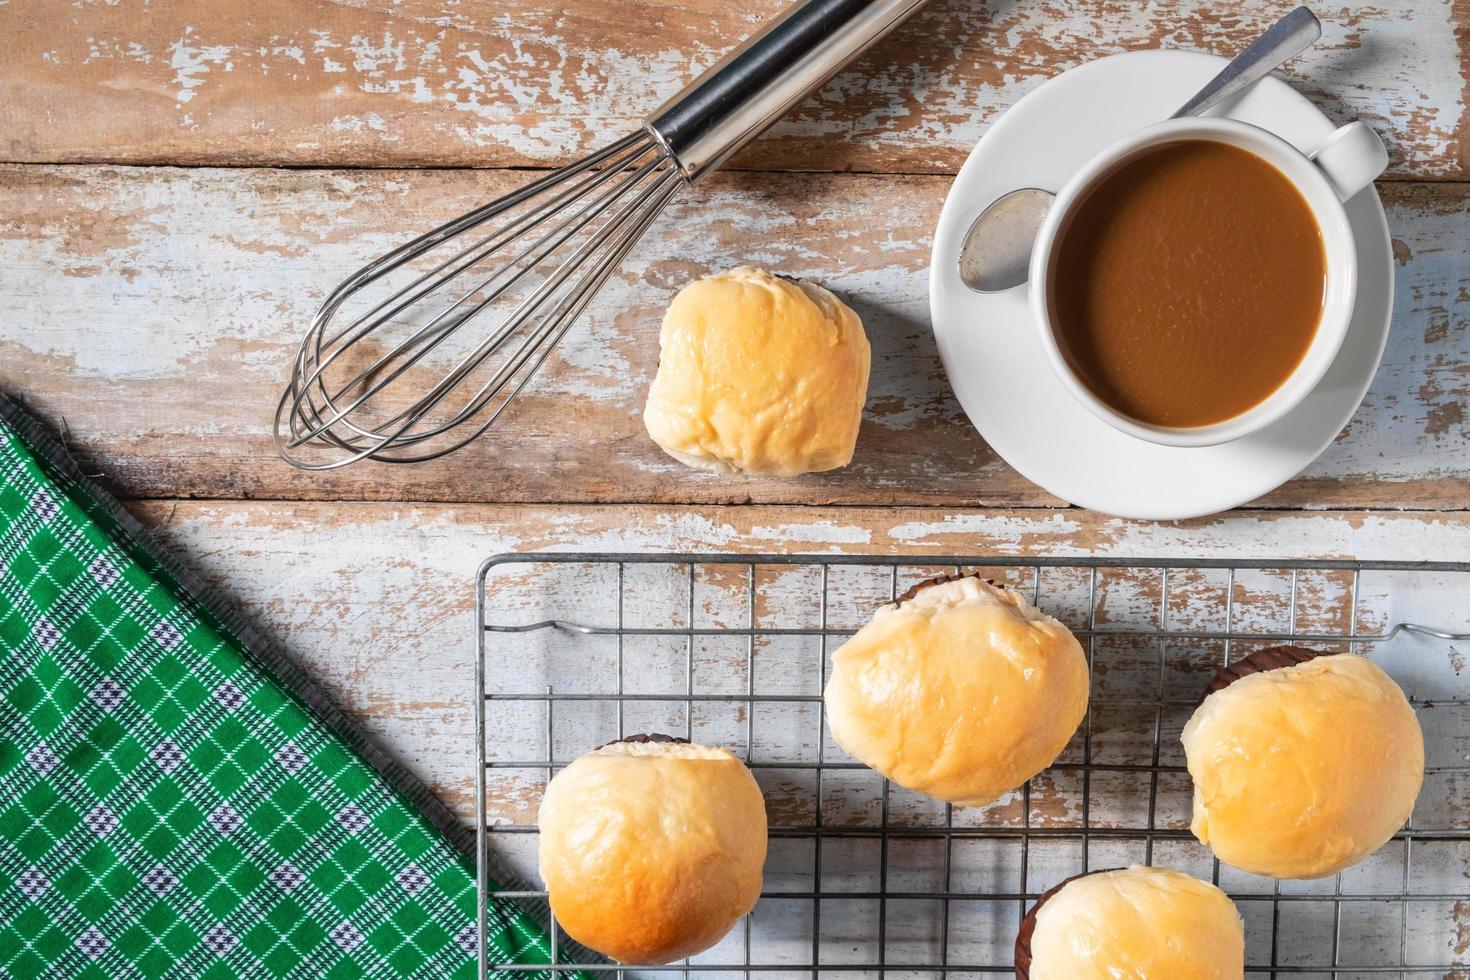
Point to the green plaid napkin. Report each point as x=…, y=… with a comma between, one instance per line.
x=174, y=802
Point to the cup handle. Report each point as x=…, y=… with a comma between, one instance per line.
x=1351, y=159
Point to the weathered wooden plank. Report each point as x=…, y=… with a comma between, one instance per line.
x=516, y=82
x=153, y=312
x=376, y=600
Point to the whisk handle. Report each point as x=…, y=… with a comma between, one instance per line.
x=743, y=94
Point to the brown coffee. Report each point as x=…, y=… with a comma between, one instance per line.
x=1188, y=283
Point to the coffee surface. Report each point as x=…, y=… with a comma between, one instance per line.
x=1188, y=284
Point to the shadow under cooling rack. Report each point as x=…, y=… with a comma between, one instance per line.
x=865, y=878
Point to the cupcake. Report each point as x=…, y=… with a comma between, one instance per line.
x=1304, y=763
x=652, y=847
x=961, y=690
x=1132, y=922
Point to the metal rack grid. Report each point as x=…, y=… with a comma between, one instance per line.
x=891, y=882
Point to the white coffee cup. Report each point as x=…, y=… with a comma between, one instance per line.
x=1346, y=163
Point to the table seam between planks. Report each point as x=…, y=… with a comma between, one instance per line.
x=535, y=170
x=1262, y=507
x=1247, y=508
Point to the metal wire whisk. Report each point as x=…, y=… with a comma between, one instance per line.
x=385, y=372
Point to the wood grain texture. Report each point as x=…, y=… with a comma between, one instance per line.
x=491, y=83
x=152, y=313
x=376, y=600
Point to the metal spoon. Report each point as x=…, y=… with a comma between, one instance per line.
x=997, y=249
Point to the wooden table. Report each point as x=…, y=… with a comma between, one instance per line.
x=183, y=181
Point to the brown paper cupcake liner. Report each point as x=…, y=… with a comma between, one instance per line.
x=1028, y=924
x=1271, y=658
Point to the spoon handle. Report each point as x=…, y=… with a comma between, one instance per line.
x=1287, y=38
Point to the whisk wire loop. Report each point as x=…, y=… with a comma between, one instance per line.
x=548, y=248
x=423, y=341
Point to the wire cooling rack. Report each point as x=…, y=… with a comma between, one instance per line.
x=867, y=879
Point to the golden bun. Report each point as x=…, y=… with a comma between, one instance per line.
x=651, y=850
x=962, y=690
x=758, y=374
x=1305, y=769
x=1132, y=922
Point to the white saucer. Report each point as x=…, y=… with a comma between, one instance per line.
x=989, y=343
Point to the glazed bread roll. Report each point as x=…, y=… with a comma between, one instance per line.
x=962, y=690
x=1303, y=763
x=1134, y=922
x=651, y=848
x=758, y=374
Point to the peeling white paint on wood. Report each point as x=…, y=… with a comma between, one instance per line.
x=518, y=82
x=376, y=600
x=156, y=311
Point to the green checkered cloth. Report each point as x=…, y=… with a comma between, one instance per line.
x=169, y=805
